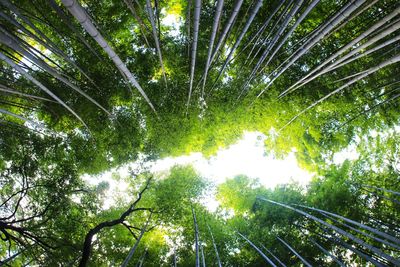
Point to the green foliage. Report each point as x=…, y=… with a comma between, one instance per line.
x=47, y=208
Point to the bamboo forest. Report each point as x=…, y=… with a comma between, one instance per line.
x=199, y=133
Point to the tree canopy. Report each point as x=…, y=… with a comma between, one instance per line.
x=87, y=86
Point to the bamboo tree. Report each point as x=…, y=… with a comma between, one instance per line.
x=203, y=259
x=47, y=43
x=133, y=249
x=360, y=55
x=373, y=230
x=380, y=240
x=217, y=15
x=157, y=12
x=257, y=249
x=239, y=39
x=273, y=256
x=333, y=238
x=154, y=30
x=338, y=230
x=395, y=201
x=17, y=104
x=362, y=75
x=309, y=37
x=350, y=44
x=12, y=114
x=315, y=38
x=142, y=258
x=139, y=20
x=259, y=33
x=227, y=28
x=196, y=239
x=65, y=18
x=12, y=43
x=277, y=36
x=293, y=28
x=34, y=51
x=196, y=23
x=38, y=84
x=355, y=250
x=295, y=252
x=356, y=14
x=7, y=89
x=215, y=246
x=381, y=189
x=394, y=228
x=80, y=14
x=174, y=257
x=188, y=26
x=327, y=253
x=16, y=11
x=267, y=39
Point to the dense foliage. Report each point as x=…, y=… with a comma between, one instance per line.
x=86, y=86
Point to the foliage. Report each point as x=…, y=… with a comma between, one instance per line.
x=305, y=86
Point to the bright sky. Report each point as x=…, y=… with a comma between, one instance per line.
x=247, y=156
x=173, y=21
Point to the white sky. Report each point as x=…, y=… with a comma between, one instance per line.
x=247, y=156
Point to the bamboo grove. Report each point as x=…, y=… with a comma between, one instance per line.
x=88, y=86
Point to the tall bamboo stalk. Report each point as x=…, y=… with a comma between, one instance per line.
x=80, y=14
x=196, y=23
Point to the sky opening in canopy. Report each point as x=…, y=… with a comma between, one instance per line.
x=247, y=157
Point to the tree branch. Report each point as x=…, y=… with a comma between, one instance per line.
x=87, y=245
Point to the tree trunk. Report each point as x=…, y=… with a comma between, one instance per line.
x=273, y=256
x=196, y=23
x=239, y=39
x=218, y=11
x=65, y=18
x=133, y=249
x=215, y=246
x=12, y=43
x=351, y=44
x=363, y=233
x=382, y=189
x=142, y=258
x=327, y=253
x=228, y=26
x=338, y=230
x=138, y=19
x=38, y=84
x=203, y=259
x=259, y=33
x=363, y=226
x=356, y=251
x=258, y=250
x=298, y=21
x=80, y=14
x=6, y=89
x=315, y=38
x=276, y=38
x=342, y=61
x=87, y=245
x=48, y=46
x=196, y=239
x=154, y=30
x=364, y=74
x=295, y=252
x=3, y=111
